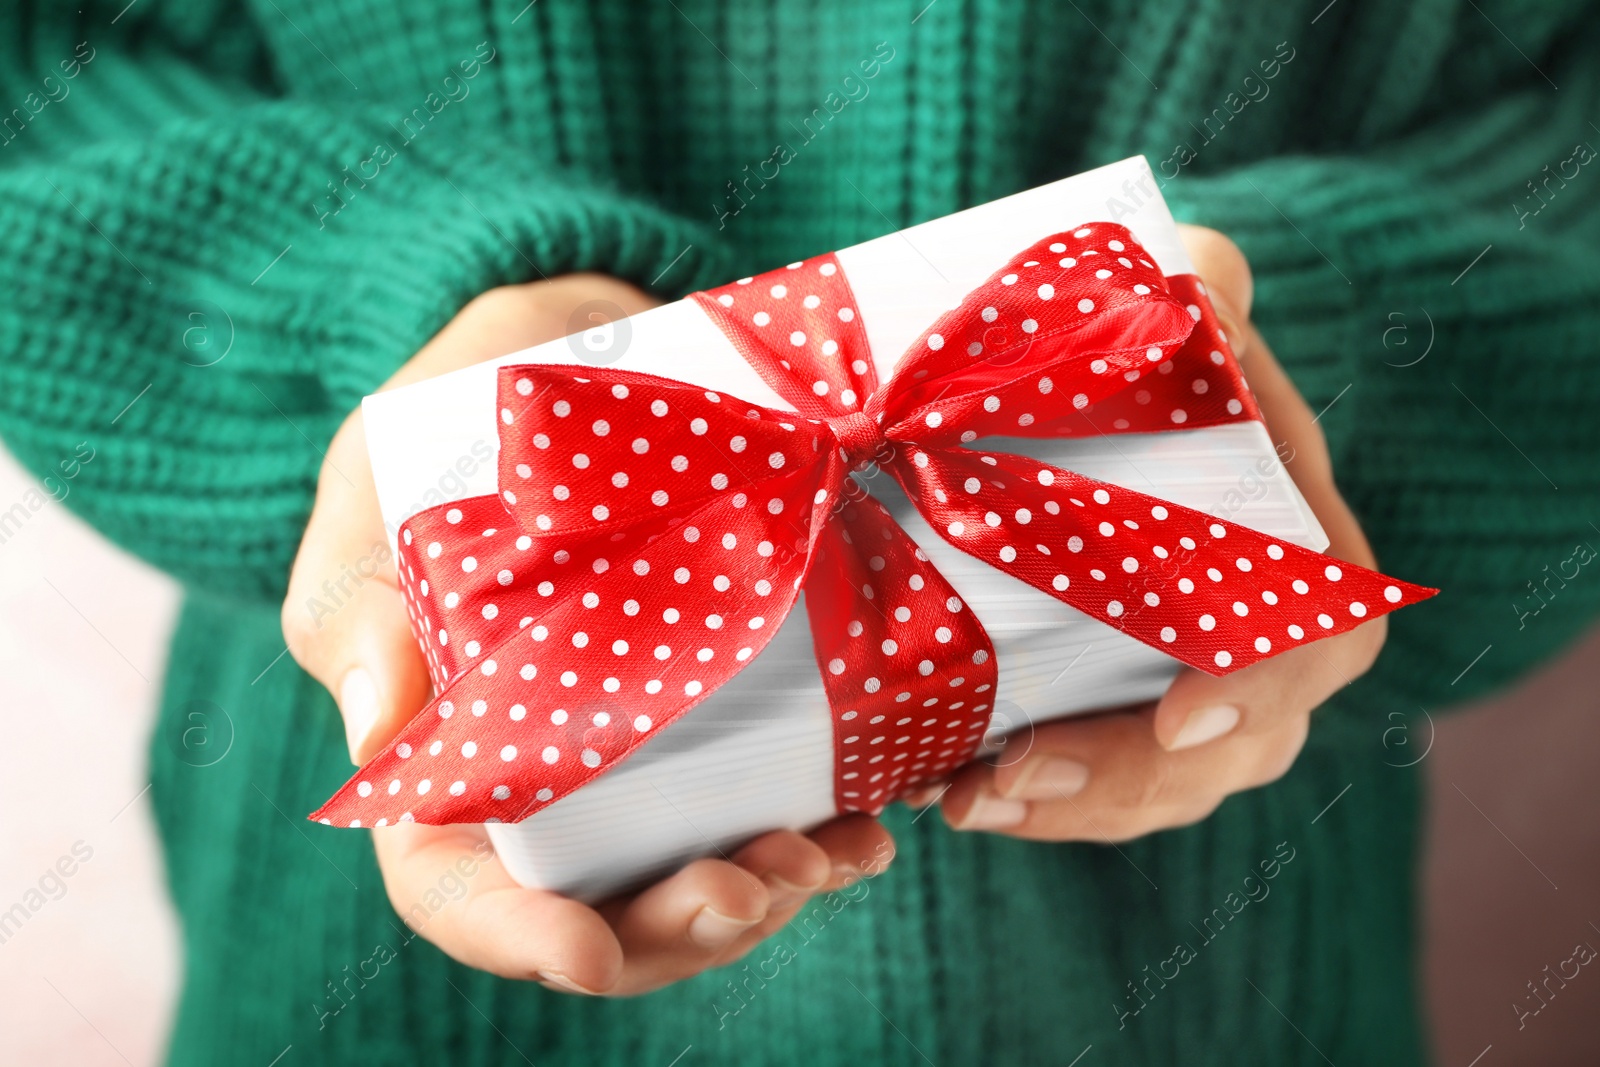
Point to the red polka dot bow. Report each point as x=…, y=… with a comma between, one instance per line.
x=650, y=536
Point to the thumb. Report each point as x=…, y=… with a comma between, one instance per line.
x=343, y=619
x=1226, y=274
x=381, y=677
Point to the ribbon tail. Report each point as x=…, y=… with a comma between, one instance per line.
x=909, y=671
x=1214, y=594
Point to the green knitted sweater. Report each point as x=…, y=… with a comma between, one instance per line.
x=222, y=222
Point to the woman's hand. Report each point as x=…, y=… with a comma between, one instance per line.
x=708, y=914
x=1121, y=775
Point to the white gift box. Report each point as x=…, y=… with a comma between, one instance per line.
x=758, y=755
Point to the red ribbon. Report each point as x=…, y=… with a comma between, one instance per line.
x=651, y=536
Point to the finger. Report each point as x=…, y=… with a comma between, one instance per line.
x=684, y=924
x=858, y=846
x=921, y=797
x=1129, y=786
x=1198, y=709
x=493, y=924
x=1291, y=421
x=712, y=904
x=343, y=619
x=705, y=906
x=1115, y=761
x=839, y=853
x=793, y=868
x=789, y=864
x=1228, y=281
x=1057, y=820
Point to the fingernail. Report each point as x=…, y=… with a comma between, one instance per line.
x=844, y=874
x=848, y=874
x=1051, y=779
x=993, y=813
x=781, y=893
x=358, y=703
x=563, y=982
x=712, y=929
x=1205, y=724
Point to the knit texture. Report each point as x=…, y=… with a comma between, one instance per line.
x=231, y=220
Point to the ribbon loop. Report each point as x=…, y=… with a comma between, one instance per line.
x=799, y=328
x=1060, y=324
x=598, y=452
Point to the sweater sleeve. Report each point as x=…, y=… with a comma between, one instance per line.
x=204, y=277
x=1437, y=298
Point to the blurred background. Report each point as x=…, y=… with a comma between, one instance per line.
x=1511, y=881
